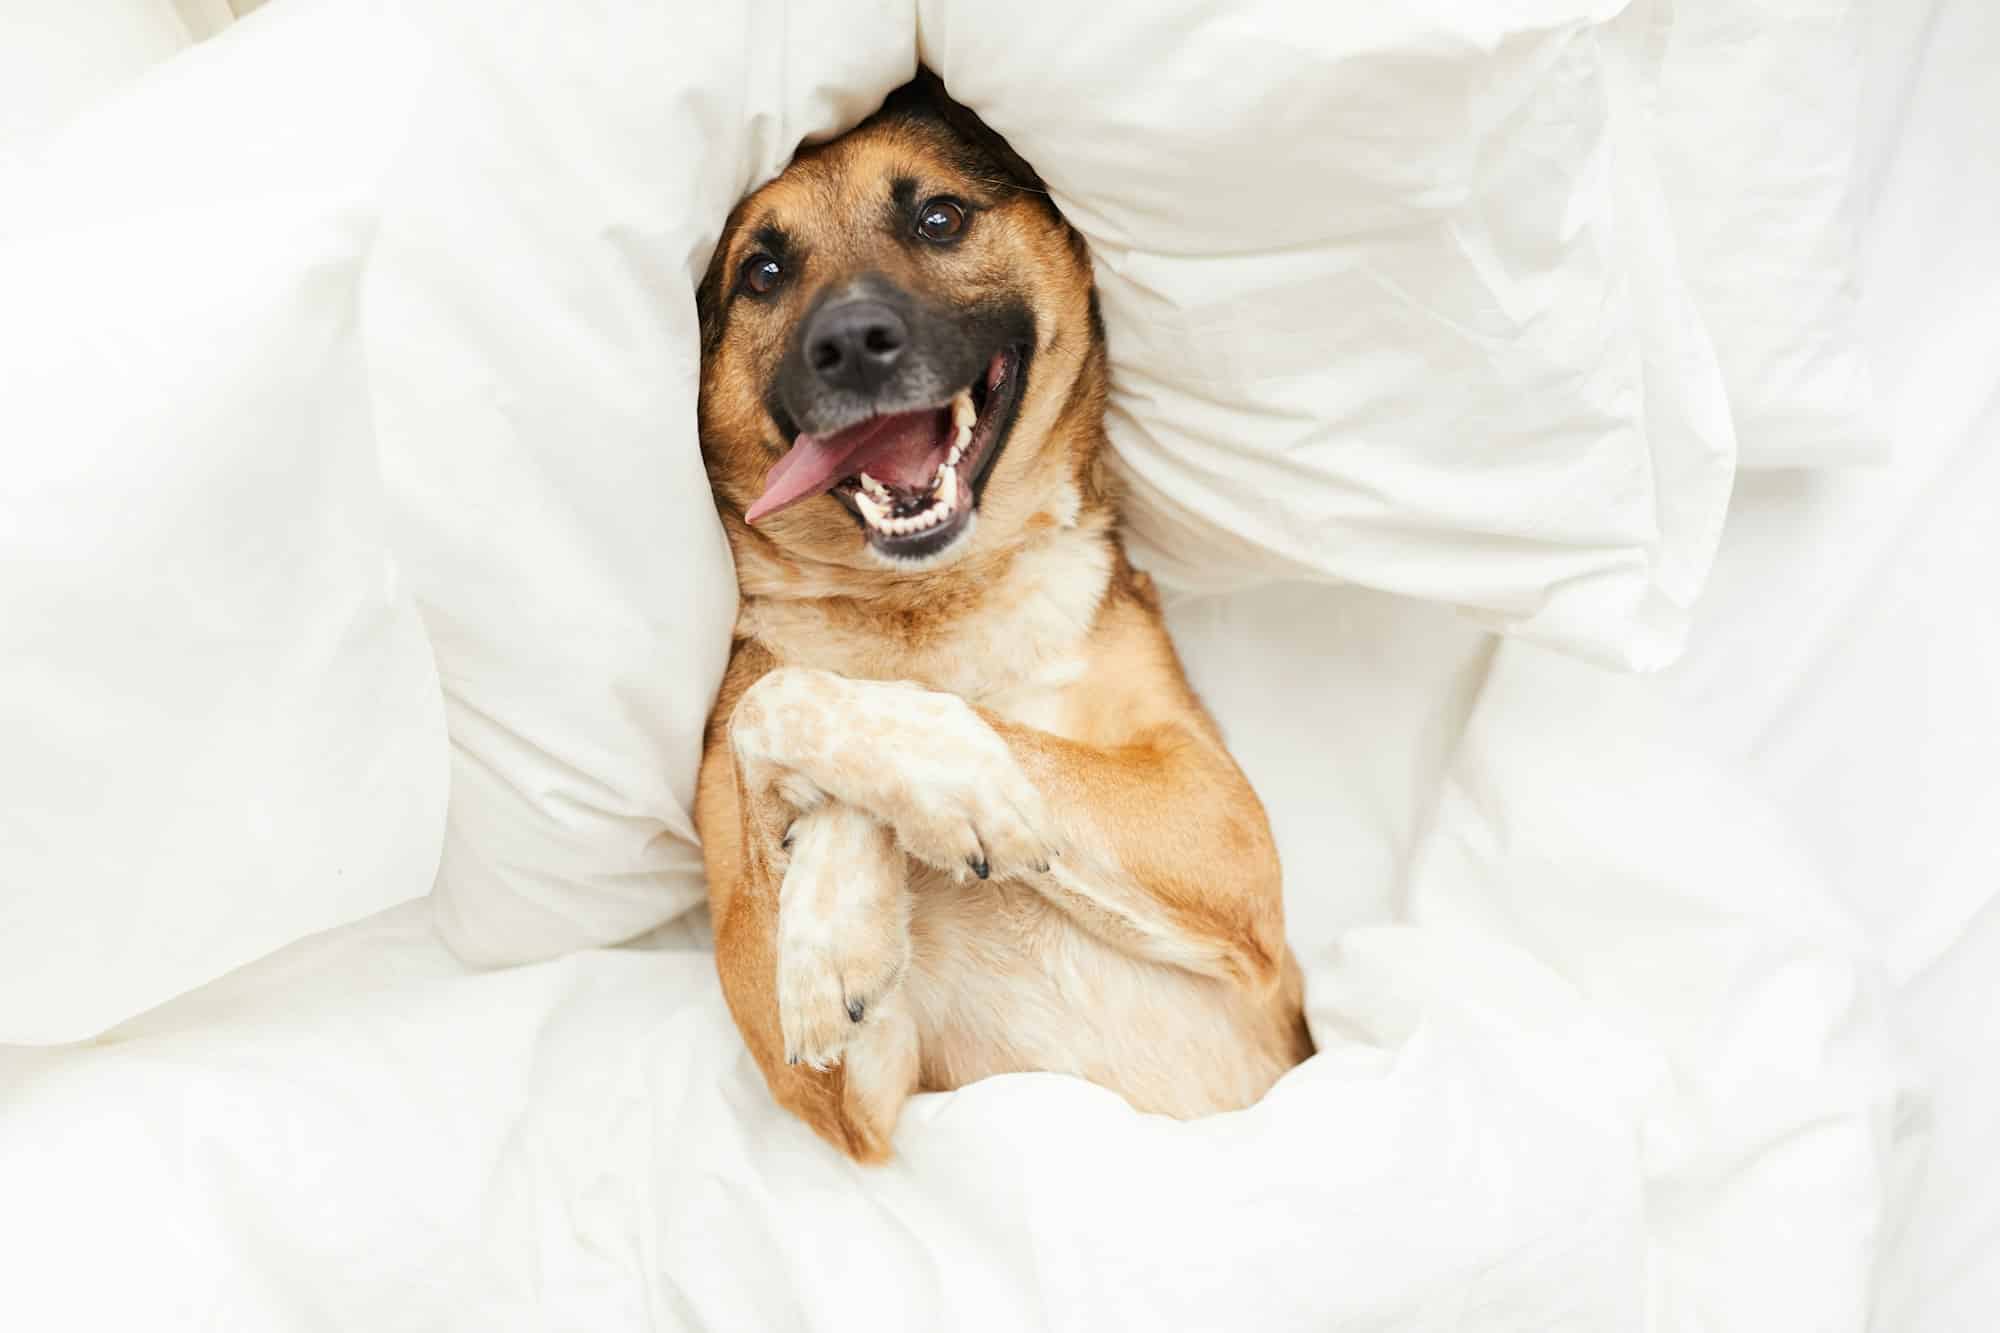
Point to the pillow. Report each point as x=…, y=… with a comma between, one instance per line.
x=220, y=719
x=1450, y=357
x=1754, y=125
x=1391, y=300
x=530, y=322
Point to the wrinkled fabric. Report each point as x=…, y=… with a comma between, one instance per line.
x=1400, y=309
x=1597, y=1050
x=219, y=717
x=1577, y=1070
x=1847, y=652
x=1444, y=353
x=1755, y=122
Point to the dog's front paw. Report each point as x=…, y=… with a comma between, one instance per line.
x=967, y=808
x=923, y=762
x=948, y=785
x=843, y=933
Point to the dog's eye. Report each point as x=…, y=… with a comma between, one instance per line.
x=940, y=219
x=762, y=274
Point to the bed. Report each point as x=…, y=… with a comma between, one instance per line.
x=1645, y=999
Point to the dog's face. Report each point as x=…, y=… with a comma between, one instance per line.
x=902, y=361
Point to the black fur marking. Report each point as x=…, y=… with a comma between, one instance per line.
x=771, y=239
x=788, y=430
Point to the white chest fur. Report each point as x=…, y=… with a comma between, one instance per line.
x=1016, y=651
x=1040, y=700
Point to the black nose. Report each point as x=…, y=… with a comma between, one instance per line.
x=855, y=344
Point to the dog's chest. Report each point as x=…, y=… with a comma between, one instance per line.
x=1042, y=700
x=1019, y=654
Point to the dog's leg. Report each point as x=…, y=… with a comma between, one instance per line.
x=1155, y=843
x=843, y=933
x=811, y=942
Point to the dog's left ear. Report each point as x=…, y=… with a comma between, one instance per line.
x=710, y=291
x=926, y=93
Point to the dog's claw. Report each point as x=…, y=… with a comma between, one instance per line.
x=786, y=841
x=979, y=866
x=791, y=1057
x=855, y=1009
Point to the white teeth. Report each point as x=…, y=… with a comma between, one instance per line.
x=936, y=512
x=877, y=503
x=963, y=418
x=878, y=519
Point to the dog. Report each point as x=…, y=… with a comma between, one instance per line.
x=961, y=813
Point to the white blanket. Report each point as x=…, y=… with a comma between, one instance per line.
x=1605, y=1076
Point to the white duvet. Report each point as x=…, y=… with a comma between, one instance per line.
x=1599, y=1050
x=1602, y=1077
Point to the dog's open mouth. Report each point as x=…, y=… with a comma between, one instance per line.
x=911, y=478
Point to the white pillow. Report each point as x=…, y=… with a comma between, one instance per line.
x=1391, y=299
x=220, y=726
x=530, y=321
x=1484, y=392
x=1755, y=127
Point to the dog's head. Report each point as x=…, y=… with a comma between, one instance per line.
x=901, y=357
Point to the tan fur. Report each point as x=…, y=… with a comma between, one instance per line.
x=882, y=736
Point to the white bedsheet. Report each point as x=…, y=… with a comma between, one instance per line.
x=1600, y=1053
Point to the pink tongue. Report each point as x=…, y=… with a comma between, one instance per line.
x=900, y=450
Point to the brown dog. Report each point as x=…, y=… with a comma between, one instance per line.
x=962, y=814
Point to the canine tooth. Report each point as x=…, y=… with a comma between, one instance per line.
x=963, y=417
x=869, y=509
x=947, y=491
x=881, y=492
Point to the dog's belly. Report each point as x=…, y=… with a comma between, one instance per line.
x=1002, y=982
